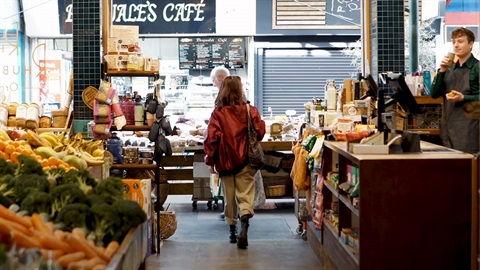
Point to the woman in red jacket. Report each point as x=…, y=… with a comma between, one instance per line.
x=226, y=153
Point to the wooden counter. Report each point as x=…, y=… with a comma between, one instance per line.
x=414, y=210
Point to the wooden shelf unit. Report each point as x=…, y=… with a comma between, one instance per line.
x=430, y=113
x=415, y=210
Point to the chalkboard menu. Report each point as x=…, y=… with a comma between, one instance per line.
x=209, y=52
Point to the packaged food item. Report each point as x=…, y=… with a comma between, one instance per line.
x=12, y=108
x=45, y=121
x=59, y=118
x=21, y=115
x=12, y=121
x=33, y=112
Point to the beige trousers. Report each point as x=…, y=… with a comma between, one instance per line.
x=239, y=192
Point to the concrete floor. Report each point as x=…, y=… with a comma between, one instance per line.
x=201, y=241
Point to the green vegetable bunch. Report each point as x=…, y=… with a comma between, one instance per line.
x=64, y=195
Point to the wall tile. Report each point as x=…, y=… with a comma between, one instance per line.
x=86, y=52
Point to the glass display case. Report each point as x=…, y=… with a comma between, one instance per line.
x=194, y=100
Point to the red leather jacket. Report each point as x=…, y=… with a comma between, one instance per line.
x=225, y=142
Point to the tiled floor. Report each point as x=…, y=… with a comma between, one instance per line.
x=201, y=240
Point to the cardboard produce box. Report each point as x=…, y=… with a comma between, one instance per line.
x=122, y=37
x=140, y=190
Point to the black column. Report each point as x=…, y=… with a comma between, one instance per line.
x=387, y=36
x=86, y=54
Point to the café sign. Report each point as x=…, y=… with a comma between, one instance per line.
x=154, y=16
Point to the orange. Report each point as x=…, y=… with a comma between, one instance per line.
x=10, y=149
x=52, y=161
x=4, y=155
x=14, y=156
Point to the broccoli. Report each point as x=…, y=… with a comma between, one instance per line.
x=7, y=186
x=94, y=199
x=28, y=165
x=110, y=189
x=130, y=214
x=104, y=222
x=29, y=183
x=7, y=167
x=63, y=195
x=55, y=176
x=37, y=202
x=81, y=177
x=74, y=215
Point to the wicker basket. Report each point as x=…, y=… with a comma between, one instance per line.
x=60, y=118
x=168, y=224
x=164, y=187
x=275, y=191
x=45, y=121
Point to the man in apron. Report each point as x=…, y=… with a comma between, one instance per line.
x=458, y=83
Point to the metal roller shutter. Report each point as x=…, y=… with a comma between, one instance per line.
x=288, y=78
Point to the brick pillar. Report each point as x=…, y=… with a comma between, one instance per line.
x=86, y=55
x=387, y=37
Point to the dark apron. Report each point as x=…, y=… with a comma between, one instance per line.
x=458, y=132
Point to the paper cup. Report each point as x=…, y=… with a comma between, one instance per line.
x=450, y=57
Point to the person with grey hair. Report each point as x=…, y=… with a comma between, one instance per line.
x=218, y=74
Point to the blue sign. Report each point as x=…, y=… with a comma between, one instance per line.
x=154, y=16
x=49, y=107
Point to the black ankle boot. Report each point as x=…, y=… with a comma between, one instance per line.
x=243, y=237
x=233, y=234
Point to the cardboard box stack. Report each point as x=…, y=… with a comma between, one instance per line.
x=124, y=53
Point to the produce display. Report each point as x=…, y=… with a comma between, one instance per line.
x=52, y=209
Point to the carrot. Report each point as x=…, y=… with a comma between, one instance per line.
x=91, y=243
x=5, y=229
x=50, y=226
x=39, y=223
x=52, y=254
x=7, y=214
x=85, y=264
x=70, y=257
x=78, y=232
x=51, y=242
x=111, y=249
x=101, y=249
x=29, y=220
x=23, y=240
x=82, y=245
x=16, y=226
x=59, y=234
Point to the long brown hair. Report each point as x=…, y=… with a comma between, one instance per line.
x=231, y=93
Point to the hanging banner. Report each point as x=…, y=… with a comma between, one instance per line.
x=154, y=16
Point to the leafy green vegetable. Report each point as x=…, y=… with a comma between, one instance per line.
x=110, y=189
x=83, y=178
x=74, y=215
x=37, y=202
x=7, y=167
x=29, y=183
x=94, y=199
x=55, y=176
x=104, y=222
x=28, y=165
x=63, y=195
x=130, y=214
x=7, y=186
